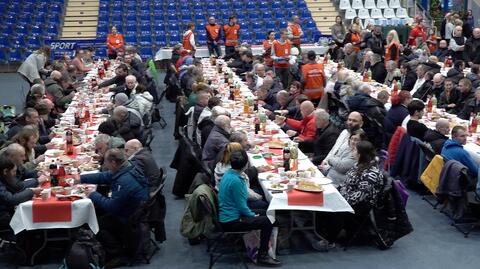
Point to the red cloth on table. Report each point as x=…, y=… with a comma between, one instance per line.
x=51, y=210
x=305, y=198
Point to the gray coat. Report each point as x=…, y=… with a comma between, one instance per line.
x=216, y=142
x=33, y=66
x=340, y=164
x=56, y=91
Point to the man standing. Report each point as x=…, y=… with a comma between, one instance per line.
x=313, y=78
x=281, y=55
x=472, y=48
x=213, y=37
x=232, y=35
x=188, y=40
x=416, y=32
x=294, y=32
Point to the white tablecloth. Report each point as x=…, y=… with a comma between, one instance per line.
x=82, y=212
x=202, y=52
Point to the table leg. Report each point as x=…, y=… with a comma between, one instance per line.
x=312, y=227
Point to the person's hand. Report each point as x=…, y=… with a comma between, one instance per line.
x=470, y=64
x=51, y=135
x=263, y=168
x=280, y=120
x=261, y=102
x=283, y=112
x=95, y=88
x=36, y=190
x=451, y=105
x=298, y=139
x=50, y=146
x=291, y=133
x=88, y=191
x=76, y=179
x=40, y=158
x=42, y=179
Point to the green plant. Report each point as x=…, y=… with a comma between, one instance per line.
x=436, y=12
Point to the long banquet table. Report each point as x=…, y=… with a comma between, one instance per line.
x=333, y=200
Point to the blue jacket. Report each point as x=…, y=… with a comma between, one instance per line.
x=452, y=150
x=232, y=197
x=129, y=188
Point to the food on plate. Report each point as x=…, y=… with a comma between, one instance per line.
x=276, y=144
x=309, y=186
x=278, y=186
x=268, y=155
x=54, y=152
x=57, y=190
x=89, y=167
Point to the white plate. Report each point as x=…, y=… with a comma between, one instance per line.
x=282, y=187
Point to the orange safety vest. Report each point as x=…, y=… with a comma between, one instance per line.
x=231, y=34
x=267, y=56
x=296, y=33
x=186, y=41
x=388, y=56
x=213, y=31
x=355, y=39
x=282, y=50
x=314, y=80
x=114, y=41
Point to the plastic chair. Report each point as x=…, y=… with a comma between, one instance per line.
x=289, y=5
x=401, y=13
x=350, y=14
x=376, y=14
x=173, y=27
x=370, y=4
x=282, y=24
x=161, y=40
x=363, y=14
x=389, y=13
x=202, y=39
x=15, y=56
x=357, y=4
x=394, y=4
x=382, y=4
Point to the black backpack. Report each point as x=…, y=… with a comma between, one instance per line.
x=85, y=253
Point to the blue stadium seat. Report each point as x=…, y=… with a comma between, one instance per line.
x=15, y=56
x=21, y=30
x=244, y=25
x=267, y=15
x=3, y=57
x=131, y=38
x=289, y=5
x=310, y=24
x=4, y=44
x=276, y=5
x=270, y=25
x=253, y=15
x=145, y=27
x=197, y=6
x=202, y=39
x=174, y=39
x=159, y=26
x=131, y=27
x=279, y=14
x=33, y=43
x=102, y=35
x=246, y=37
x=161, y=40
x=173, y=27
x=146, y=53
x=259, y=37
x=282, y=24
x=35, y=30
x=199, y=16
x=224, y=6
x=238, y=4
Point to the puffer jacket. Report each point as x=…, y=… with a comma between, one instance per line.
x=145, y=102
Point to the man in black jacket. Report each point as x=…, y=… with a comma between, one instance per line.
x=436, y=138
x=121, y=73
x=325, y=138
x=129, y=123
x=466, y=93
x=472, y=48
x=409, y=77
x=142, y=158
x=456, y=73
x=376, y=42
x=471, y=106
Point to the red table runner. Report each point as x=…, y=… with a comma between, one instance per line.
x=305, y=198
x=51, y=210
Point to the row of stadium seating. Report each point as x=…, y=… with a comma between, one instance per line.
x=26, y=24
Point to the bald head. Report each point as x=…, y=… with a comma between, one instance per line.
x=438, y=80
x=476, y=32
x=365, y=88
x=354, y=121
x=443, y=126
x=132, y=146
x=16, y=153
x=223, y=122
x=119, y=113
x=306, y=108
x=56, y=75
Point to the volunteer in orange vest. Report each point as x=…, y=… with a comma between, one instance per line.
x=267, y=48
x=281, y=55
x=313, y=78
x=417, y=31
x=353, y=37
x=188, y=40
x=213, y=37
x=392, y=50
x=295, y=32
x=114, y=43
x=232, y=34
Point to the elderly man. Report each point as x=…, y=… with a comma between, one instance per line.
x=436, y=138
x=205, y=127
x=421, y=70
x=104, y=142
x=303, y=130
x=442, y=51
x=143, y=159
x=393, y=73
x=260, y=73
x=266, y=96
x=374, y=112
x=205, y=120
x=284, y=102
x=325, y=137
x=129, y=87
x=453, y=150
x=56, y=87
x=194, y=113
x=350, y=57
x=129, y=189
x=216, y=141
x=129, y=123
x=472, y=48
x=16, y=153
x=354, y=122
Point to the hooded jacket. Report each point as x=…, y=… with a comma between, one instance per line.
x=129, y=188
x=452, y=150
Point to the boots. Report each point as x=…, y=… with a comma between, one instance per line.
x=263, y=259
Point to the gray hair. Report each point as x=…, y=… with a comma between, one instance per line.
x=283, y=92
x=38, y=88
x=238, y=136
x=217, y=111
x=116, y=155
x=13, y=148
x=321, y=114
x=102, y=139
x=131, y=77
x=365, y=88
x=222, y=121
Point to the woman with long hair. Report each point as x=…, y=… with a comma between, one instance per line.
x=28, y=138
x=267, y=48
x=358, y=21
x=392, y=50
x=115, y=43
x=34, y=66
x=338, y=31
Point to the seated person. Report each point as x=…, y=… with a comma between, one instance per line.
x=266, y=96
x=471, y=106
x=300, y=130
x=453, y=150
x=129, y=123
x=284, y=102
x=13, y=191
x=142, y=158
x=206, y=125
x=465, y=94
x=339, y=165
x=416, y=109
x=234, y=213
x=325, y=137
x=36, y=93
x=16, y=153
x=449, y=97
x=217, y=140
x=28, y=138
x=129, y=87
x=104, y=142
x=29, y=117
x=436, y=138
x=129, y=190
x=57, y=89
x=255, y=200
x=78, y=62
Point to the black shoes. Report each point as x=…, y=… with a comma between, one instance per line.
x=267, y=261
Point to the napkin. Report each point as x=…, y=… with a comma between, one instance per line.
x=51, y=210
x=296, y=197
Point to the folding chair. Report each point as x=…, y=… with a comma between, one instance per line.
x=394, y=4
x=363, y=14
